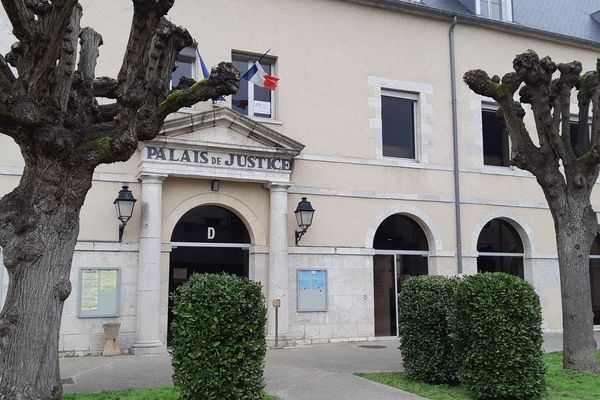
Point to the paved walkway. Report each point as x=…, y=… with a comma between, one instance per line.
x=300, y=373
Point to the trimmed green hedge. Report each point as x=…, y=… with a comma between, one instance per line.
x=497, y=321
x=424, y=307
x=219, y=338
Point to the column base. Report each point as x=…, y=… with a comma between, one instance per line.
x=148, y=347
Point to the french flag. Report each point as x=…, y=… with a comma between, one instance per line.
x=257, y=75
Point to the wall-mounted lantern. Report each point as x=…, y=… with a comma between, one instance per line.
x=304, y=216
x=124, y=206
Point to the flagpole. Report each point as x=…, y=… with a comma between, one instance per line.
x=263, y=56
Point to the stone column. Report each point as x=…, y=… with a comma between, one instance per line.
x=148, y=290
x=278, y=262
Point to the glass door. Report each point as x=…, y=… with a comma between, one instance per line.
x=384, y=278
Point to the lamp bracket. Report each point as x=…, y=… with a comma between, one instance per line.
x=121, y=230
x=299, y=235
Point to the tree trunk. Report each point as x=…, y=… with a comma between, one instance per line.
x=42, y=219
x=576, y=229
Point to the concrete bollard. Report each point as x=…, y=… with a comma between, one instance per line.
x=111, y=347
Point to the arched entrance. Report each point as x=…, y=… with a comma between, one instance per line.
x=207, y=240
x=500, y=249
x=401, y=251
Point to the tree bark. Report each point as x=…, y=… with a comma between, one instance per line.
x=38, y=259
x=566, y=173
x=576, y=228
x=51, y=111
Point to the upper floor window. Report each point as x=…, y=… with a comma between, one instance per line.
x=495, y=137
x=186, y=66
x=500, y=10
x=252, y=100
x=574, y=133
x=491, y=8
x=398, y=117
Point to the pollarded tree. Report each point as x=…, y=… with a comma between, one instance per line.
x=566, y=171
x=51, y=112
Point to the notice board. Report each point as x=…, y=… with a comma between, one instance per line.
x=99, y=293
x=312, y=290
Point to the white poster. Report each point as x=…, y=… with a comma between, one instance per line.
x=262, y=107
x=89, y=295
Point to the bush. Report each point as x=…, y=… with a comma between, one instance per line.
x=424, y=307
x=497, y=321
x=218, y=338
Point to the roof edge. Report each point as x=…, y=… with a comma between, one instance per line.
x=510, y=27
x=225, y=116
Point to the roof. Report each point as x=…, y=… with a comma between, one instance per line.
x=573, y=18
x=560, y=19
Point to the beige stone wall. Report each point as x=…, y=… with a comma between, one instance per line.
x=334, y=58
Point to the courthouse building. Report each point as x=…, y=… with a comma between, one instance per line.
x=407, y=169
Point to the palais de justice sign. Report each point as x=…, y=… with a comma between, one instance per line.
x=233, y=160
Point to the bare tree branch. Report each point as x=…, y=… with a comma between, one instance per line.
x=88, y=53
x=107, y=112
x=224, y=79
x=6, y=76
x=21, y=18
x=525, y=153
x=146, y=17
x=105, y=87
x=66, y=64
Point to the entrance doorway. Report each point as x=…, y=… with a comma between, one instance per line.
x=207, y=240
x=401, y=251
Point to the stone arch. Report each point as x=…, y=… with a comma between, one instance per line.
x=255, y=229
x=434, y=237
x=523, y=229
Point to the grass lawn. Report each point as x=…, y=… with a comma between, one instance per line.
x=167, y=393
x=562, y=384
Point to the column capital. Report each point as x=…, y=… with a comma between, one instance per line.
x=151, y=178
x=278, y=186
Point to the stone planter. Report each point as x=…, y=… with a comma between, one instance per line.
x=111, y=347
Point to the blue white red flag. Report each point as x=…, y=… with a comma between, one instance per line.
x=205, y=72
x=257, y=75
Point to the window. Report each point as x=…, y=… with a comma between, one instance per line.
x=186, y=66
x=491, y=8
x=574, y=133
x=500, y=249
x=495, y=137
x=398, y=116
x=250, y=99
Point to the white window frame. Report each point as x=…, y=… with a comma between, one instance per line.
x=506, y=10
x=487, y=106
x=414, y=97
x=273, y=63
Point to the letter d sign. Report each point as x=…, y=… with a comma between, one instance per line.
x=211, y=233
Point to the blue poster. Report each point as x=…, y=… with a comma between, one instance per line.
x=304, y=280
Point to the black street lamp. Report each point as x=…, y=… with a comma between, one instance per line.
x=124, y=206
x=304, y=216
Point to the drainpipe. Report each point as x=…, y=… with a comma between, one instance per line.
x=455, y=148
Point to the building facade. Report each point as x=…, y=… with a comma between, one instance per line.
x=363, y=124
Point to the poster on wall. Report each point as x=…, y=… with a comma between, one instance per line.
x=312, y=290
x=89, y=290
x=99, y=292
